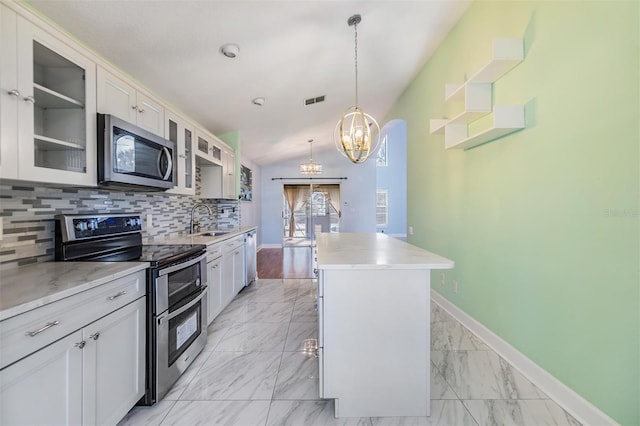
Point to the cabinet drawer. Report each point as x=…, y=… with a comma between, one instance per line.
x=33, y=330
x=233, y=244
x=214, y=251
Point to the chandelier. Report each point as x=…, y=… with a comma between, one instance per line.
x=357, y=134
x=310, y=168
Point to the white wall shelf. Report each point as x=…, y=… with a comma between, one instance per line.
x=476, y=93
x=506, y=119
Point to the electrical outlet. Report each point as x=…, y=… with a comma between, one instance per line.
x=149, y=222
x=454, y=284
x=442, y=278
x=411, y=230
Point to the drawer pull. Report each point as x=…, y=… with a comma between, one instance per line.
x=95, y=336
x=81, y=344
x=46, y=327
x=120, y=293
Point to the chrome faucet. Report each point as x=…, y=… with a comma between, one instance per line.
x=195, y=224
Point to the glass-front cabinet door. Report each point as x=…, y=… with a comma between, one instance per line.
x=207, y=149
x=180, y=132
x=55, y=107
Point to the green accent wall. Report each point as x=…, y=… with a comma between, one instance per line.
x=543, y=224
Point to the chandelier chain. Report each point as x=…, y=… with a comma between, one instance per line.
x=355, y=26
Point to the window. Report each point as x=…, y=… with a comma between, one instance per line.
x=381, y=157
x=382, y=208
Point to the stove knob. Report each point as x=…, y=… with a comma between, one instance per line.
x=81, y=226
x=131, y=222
x=91, y=225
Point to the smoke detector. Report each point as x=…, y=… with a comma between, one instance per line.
x=230, y=50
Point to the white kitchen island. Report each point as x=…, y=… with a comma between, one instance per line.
x=373, y=324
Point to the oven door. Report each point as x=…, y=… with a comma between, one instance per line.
x=177, y=282
x=181, y=336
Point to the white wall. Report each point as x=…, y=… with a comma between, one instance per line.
x=357, y=193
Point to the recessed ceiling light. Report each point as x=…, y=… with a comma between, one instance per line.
x=230, y=50
x=258, y=101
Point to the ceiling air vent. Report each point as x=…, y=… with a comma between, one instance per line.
x=315, y=100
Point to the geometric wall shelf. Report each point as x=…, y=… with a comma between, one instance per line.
x=506, y=119
x=476, y=96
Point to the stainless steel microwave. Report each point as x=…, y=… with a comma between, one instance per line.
x=131, y=157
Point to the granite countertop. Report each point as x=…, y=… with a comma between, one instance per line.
x=200, y=237
x=29, y=287
x=374, y=251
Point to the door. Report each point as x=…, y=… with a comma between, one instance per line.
x=56, y=110
x=309, y=209
x=238, y=269
x=50, y=380
x=214, y=282
x=116, y=97
x=114, y=364
x=178, y=131
x=9, y=94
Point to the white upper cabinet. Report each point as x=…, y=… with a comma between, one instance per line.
x=117, y=97
x=228, y=174
x=208, y=148
x=47, y=104
x=182, y=133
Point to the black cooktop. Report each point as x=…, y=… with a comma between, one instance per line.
x=161, y=255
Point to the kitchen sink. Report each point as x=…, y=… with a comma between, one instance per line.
x=214, y=233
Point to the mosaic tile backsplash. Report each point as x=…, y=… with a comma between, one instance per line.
x=27, y=214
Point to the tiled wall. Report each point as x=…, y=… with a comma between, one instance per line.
x=27, y=214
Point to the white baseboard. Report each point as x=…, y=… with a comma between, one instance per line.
x=581, y=409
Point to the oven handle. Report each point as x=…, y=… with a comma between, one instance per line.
x=181, y=265
x=188, y=306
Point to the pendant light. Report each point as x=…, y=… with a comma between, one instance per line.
x=310, y=168
x=357, y=134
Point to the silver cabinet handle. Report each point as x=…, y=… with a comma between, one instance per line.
x=30, y=99
x=141, y=111
x=134, y=106
x=80, y=344
x=14, y=92
x=95, y=336
x=120, y=293
x=46, y=327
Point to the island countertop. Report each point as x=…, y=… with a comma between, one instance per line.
x=374, y=251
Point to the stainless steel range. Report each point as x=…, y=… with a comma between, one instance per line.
x=176, y=288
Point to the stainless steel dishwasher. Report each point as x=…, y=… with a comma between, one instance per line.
x=250, y=257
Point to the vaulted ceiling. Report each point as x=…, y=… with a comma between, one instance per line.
x=289, y=51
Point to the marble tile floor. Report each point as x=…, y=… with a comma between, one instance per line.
x=254, y=371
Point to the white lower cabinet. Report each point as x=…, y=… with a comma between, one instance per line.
x=44, y=388
x=227, y=278
x=234, y=273
x=226, y=273
x=238, y=269
x=77, y=361
x=214, y=282
x=113, y=365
